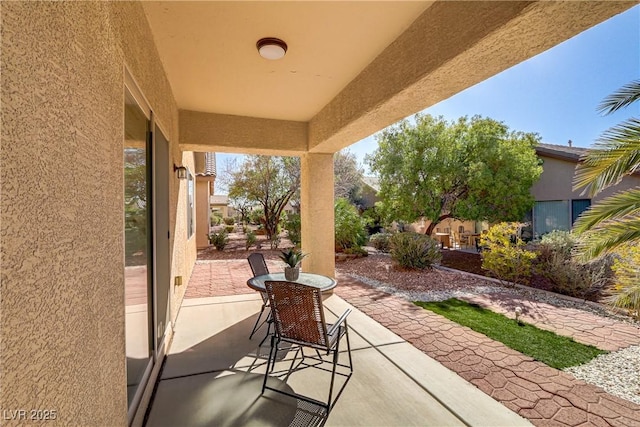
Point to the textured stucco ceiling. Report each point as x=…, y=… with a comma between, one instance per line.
x=352, y=67
x=208, y=51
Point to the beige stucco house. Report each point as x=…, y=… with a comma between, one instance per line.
x=557, y=204
x=104, y=104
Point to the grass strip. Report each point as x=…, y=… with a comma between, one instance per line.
x=554, y=350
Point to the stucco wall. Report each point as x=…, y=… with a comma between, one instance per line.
x=202, y=199
x=556, y=182
x=62, y=306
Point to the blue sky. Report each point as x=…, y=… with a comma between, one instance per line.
x=555, y=93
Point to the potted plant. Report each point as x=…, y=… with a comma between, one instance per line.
x=292, y=257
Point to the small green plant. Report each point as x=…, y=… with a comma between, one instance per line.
x=229, y=228
x=505, y=256
x=556, y=351
x=381, y=241
x=292, y=225
x=216, y=218
x=414, y=251
x=625, y=292
x=292, y=257
x=349, y=226
x=219, y=240
x=229, y=220
x=250, y=239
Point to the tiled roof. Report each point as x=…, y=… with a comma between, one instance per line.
x=209, y=165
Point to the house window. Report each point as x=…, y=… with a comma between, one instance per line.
x=550, y=216
x=190, y=204
x=577, y=207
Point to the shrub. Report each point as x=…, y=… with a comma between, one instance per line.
x=292, y=225
x=505, y=256
x=356, y=251
x=566, y=275
x=625, y=292
x=414, y=251
x=380, y=241
x=251, y=239
x=229, y=228
x=219, y=240
x=216, y=218
x=256, y=216
x=559, y=241
x=349, y=226
x=229, y=220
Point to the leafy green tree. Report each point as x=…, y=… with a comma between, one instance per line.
x=615, y=220
x=269, y=181
x=471, y=169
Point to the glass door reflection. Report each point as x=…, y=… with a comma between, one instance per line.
x=137, y=247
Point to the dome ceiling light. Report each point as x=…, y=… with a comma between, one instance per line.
x=271, y=48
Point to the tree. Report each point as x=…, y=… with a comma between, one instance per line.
x=269, y=181
x=471, y=169
x=614, y=221
x=347, y=176
x=347, y=179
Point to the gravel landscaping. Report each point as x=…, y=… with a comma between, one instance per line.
x=616, y=372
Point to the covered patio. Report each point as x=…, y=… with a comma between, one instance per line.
x=86, y=84
x=213, y=376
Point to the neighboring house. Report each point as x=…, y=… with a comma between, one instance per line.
x=220, y=204
x=370, y=188
x=557, y=205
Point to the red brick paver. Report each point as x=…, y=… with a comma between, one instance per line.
x=544, y=395
x=587, y=328
x=215, y=278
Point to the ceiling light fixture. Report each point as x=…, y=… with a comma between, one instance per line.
x=271, y=48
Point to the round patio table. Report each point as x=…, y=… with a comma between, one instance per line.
x=324, y=283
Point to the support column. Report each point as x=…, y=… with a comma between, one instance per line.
x=317, y=215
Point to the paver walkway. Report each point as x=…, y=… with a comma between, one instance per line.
x=544, y=395
x=587, y=328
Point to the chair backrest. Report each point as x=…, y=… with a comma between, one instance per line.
x=258, y=264
x=298, y=315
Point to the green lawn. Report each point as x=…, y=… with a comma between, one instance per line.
x=554, y=350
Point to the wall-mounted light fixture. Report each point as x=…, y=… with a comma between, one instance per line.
x=181, y=171
x=271, y=48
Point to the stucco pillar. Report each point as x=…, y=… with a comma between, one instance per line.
x=317, y=216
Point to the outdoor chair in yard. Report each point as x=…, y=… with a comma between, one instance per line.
x=259, y=268
x=298, y=317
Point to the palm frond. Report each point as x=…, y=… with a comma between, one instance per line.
x=615, y=154
x=607, y=237
x=624, y=96
x=616, y=207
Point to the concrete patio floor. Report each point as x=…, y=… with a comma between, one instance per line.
x=213, y=377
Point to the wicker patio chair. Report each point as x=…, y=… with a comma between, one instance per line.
x=259, y=268
x=298, y=317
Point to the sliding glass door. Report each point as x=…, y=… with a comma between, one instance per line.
x=138, y=248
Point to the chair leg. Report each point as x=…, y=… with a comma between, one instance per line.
x=272, y=354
